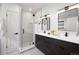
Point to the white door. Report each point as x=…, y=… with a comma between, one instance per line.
x=12, y=42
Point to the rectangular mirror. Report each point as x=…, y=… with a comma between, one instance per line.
x=68, y=20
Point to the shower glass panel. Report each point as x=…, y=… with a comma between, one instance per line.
x=27, y=30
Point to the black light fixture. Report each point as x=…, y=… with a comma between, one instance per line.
x=66, y=8
x=33, y=14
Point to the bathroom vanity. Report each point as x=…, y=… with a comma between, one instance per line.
x=53, y=45
x=68, y=44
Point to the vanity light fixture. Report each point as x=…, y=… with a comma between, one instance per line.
x=76, y=5
x=66, y=8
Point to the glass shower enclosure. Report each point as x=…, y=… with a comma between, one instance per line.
x=17, y=28
x=27, y=30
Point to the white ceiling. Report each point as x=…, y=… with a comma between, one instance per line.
x=36, y=6
x=33, y=6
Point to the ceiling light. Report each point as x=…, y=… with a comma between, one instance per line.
x=30, y=9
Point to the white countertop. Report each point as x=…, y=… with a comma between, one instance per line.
x=73, y=39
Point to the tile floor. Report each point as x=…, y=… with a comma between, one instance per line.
x=33, y=51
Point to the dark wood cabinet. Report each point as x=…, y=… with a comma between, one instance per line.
x=53, y=46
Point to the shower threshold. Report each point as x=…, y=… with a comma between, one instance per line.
x=26, y=48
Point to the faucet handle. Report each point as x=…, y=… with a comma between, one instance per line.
x=66, y=34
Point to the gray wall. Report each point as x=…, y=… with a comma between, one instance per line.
x=0, y=38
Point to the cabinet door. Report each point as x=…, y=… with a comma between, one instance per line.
x=40, y=43
x=69, y=48
x=74, y=48
x=53, y=46
x=64, y=47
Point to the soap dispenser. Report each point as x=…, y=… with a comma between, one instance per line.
x=66, y=34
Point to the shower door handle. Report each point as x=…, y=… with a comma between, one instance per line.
x=23, y=31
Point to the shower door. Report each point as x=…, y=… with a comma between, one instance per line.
x=12, y=31
x=27, y=30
